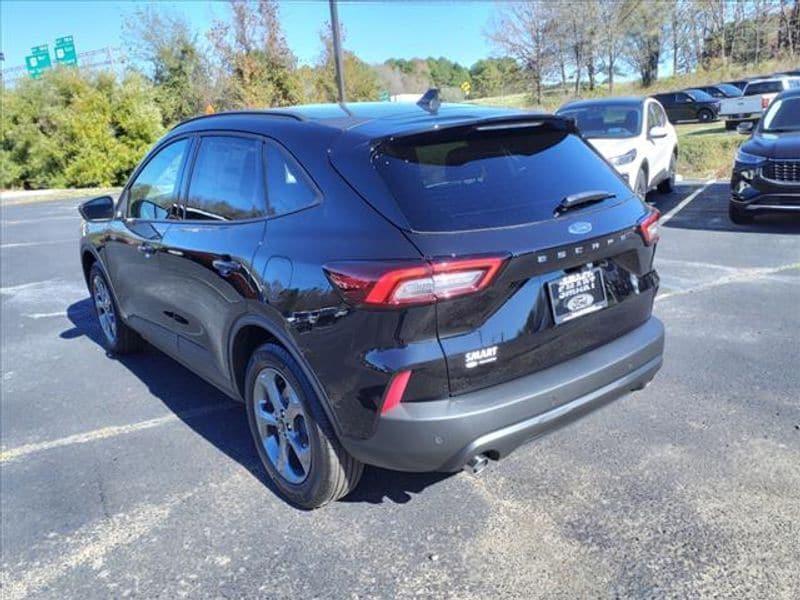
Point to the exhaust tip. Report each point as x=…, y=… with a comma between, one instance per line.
x=476, y=464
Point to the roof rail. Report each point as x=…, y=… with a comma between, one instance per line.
x=265, y=113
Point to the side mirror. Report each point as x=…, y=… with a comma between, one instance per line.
x=745, y=128
x=97, y=209
x=658, y=132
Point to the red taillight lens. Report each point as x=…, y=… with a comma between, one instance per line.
x=764, y=102
x=390, y=284
x=648, y=227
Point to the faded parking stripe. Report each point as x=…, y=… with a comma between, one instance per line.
x=13, y=454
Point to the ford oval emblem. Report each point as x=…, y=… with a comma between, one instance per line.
x=580, y=302
x=580, y=228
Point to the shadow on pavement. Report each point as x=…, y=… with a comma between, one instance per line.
x=225, y=425
x=709, y=211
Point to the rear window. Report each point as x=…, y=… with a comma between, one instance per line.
x=461, y=180
x=766, y=87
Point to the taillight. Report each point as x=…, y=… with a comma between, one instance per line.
x=764, y=102
x=648, y=227
x=388, y=283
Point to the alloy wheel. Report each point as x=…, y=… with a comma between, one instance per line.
x=282, y=425
x=105, y=309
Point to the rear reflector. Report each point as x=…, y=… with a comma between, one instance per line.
x=648, y=227
x=395, y=391
x=389, y=284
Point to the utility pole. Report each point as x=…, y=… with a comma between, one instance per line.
x=337, y=50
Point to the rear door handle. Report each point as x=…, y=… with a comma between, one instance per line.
x=226, y=267
x=146, y=249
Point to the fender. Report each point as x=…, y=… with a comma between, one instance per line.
x=273, y=323
x=88, y=247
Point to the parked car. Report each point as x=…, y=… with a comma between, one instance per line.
x=304, y=261
x=755, y=99
x=689, y=105
x=766, y=172
x=634, y=135
x=721, y=90
x=739, y=83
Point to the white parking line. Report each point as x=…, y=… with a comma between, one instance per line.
x=738, y=276
x=12, y=454
x=683, y=203
x=45, y=243
x=28, y=221
x=60, y=313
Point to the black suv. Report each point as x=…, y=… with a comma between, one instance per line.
x=418, y=289
x=690, y=105
x=766, y=172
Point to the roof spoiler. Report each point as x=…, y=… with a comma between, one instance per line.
x=521, y=120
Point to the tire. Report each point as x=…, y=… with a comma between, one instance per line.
x=666, y=186
x=293, y=436
x=705, y=116
x=738, y=216
x=640, y=187
x=116, y=336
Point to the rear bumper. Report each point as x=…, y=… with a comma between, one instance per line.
x=443, y=435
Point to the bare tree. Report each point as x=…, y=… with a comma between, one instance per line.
x=521, y=31
x=613, y=17
x=253, y=52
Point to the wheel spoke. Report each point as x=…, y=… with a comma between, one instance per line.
x=302, y=452
x=271, y=387
x=282, y=462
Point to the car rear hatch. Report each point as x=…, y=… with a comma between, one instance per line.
x=576, y=267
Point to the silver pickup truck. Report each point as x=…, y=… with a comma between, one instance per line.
x=754, y=100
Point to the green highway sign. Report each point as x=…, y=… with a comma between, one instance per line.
x=65, y=51
x=38, y=61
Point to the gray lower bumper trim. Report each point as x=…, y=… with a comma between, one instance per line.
x=442, y=435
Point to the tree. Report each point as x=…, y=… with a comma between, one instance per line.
x=613, y=18
x=495, y=76
x=644, y=41
x=165, y=42
x=521, y=32
x=256, y=65
x=69, y=128
x=360, y=80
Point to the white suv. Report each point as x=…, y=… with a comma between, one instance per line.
x=634, y=135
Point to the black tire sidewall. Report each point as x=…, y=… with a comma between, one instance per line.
x=704, y=116
x=738, y=216
x=641, y=177
x=666, y=186
x=308, y=493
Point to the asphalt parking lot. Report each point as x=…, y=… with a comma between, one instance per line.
x=134, y=478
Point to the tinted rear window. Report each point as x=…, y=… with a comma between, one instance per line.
x=767, y=87
x=486, y=179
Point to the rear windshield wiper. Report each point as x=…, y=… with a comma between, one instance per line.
x=581, y=199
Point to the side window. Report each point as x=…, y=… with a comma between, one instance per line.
x=682, y=98
x=226, y=181
x=652, y=116
x=288, y=187
x=154, y=193
x=661, y=117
